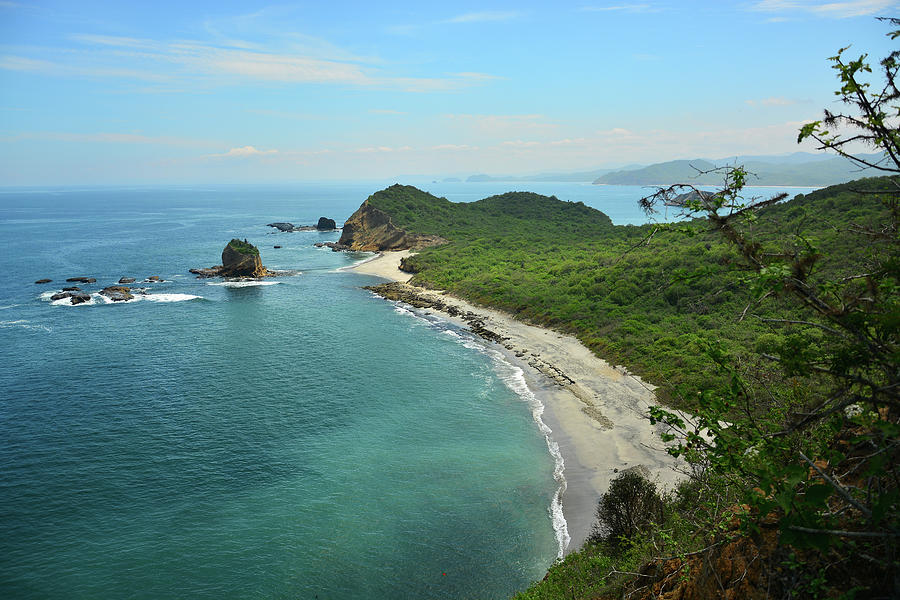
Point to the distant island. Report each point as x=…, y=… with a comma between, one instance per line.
x=764, y=171
x=799, y=169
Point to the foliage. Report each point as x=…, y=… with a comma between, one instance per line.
x=630, y=507
x=243, y=247
x=820, y=464
x=564, y=265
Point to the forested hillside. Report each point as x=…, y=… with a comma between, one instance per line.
x=644, y=305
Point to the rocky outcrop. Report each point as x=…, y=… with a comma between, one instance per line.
x=43, y=281
x=239, y=259
x=82, y=279
x=126, y=280
x=288, y=227
x=335, y=246
x=372, y=230
x=74, y=297
x=117, y=293
x=326, y=224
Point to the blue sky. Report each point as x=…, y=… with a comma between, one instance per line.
x=190, y=91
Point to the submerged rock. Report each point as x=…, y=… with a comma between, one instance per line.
x=126, y=280
x=82, y=279
x=43, y=281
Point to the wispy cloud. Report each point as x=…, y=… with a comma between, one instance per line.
x=834, y=10
x=773, y=101
x=109, y=138
x=484, y=16
x=631, y=8
x=198, y=64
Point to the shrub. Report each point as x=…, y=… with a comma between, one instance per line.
x=631, y=506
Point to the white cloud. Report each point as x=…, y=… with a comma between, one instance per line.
x=835, y=10
x=480, y=17
x=243, y=152
x=454, y=147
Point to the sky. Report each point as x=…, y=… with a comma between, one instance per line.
x=190, y=91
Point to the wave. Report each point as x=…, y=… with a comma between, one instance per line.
x=24, y=324
x=100, y=299
x=240, y=284
x=514, y=378
x=171, y=297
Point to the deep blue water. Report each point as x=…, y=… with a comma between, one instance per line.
x=298, y=439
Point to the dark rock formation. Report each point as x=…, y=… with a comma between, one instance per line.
x=74, y=288
x=126, y=280
x=117, y=293
x=335, y=246
x=239, y=259
x=73, y=296
x=408, y=294
x=276, y=246
x=82, y=279
x=326, y=224
x=153, y=278
x=43, y=281
x=282, y=226
x=372, y=229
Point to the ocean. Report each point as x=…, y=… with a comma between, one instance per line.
x=292, y=438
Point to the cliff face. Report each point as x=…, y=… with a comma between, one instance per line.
x=371, y=229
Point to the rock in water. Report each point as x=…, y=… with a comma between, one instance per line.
x=241, y=259
x=326, y=224
x=43, y=281
x=126, y=280
x=282, y=226
x=117, y=293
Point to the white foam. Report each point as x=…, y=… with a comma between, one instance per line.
x=10, y=306
x=24, y=324
x=514, y=379
x=68, y=301
x=240, y=284
x=170, y=297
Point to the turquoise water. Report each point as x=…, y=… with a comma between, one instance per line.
x=297, y=439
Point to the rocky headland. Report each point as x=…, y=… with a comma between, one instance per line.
x=371, y=229
x=239, y=259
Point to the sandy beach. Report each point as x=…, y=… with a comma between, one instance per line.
x=596, y=411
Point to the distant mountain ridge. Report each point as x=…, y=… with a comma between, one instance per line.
x=805, y=170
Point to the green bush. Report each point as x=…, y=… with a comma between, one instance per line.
x=630, y=507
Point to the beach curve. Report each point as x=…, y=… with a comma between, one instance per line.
x=597, y=412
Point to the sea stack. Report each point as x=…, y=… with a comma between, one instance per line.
x=239, y=259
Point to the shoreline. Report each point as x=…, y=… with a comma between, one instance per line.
x=595, y=410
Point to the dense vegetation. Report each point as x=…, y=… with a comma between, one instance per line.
x=243, y=247
x=649, y=306
x=775, y=324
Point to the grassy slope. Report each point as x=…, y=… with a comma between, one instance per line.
x=564, y=265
